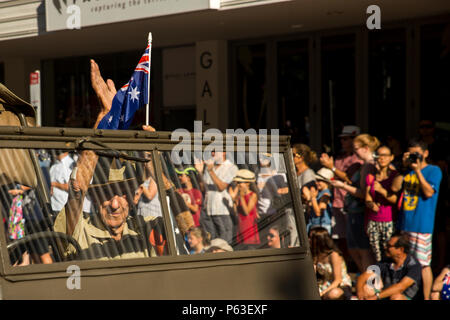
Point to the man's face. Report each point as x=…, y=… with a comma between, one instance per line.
x=419, y=150
x=273, y=239
x=426, y=128
x=183, y=178
x=219, y=157
x=347, y=143
x=391, y=250
x=114, y=211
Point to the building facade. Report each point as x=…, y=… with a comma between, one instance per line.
x=306, y=67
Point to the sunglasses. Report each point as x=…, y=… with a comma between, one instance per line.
x=383, y=155
x=426, y=126
x=271, y=235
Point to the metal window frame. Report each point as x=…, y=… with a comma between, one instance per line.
x=66, y=138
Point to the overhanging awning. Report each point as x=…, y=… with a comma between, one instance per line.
x=61, y=15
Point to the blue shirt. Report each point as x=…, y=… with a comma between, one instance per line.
x=418, y=211
x=325, y=219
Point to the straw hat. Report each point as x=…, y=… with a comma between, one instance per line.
x=220, y=243
x=324, y=174
x=244, y=175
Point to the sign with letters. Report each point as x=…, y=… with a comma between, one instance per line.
x=35, y=94
x=211, y=83
x=76, y=14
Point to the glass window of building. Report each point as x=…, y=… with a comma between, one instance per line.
x=293, y=89
x=251, y=87
x=387, y=79
x=338, y=87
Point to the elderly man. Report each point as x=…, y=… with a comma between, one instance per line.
x=112, y=232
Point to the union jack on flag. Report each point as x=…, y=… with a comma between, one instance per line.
x=130, y=98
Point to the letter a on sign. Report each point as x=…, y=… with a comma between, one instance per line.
x=206, y=89
x=374, y=21
x=74, y=20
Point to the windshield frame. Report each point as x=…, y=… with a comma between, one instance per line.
x=72, y=139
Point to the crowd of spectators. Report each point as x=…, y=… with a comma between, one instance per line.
x=385, y=206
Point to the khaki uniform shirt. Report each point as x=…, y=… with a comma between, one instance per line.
x=96, y=241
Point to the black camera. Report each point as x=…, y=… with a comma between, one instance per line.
x=414, y=156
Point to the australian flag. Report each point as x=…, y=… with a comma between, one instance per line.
x=131, y=97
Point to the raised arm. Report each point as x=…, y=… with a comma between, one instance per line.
x=84, y=171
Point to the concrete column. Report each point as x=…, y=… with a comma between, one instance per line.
x=211, y=95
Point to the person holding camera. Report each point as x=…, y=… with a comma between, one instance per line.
x=419, y=200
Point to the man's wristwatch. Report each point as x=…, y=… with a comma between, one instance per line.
x=377, y=293
x=333, y=169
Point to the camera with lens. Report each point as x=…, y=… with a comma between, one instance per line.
x=414, y=156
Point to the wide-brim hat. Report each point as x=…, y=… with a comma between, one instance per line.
x=220, y=243
x=113, y=177
x=244, y=175
x=350, y=131
x=324, y=174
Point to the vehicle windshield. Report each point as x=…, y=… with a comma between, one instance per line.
x=106, y=204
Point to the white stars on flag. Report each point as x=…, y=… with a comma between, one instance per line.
x=134, y=94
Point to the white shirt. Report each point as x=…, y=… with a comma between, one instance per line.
x=215, y=205
x=60, y=172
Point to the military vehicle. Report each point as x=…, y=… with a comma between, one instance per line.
x=40, y=260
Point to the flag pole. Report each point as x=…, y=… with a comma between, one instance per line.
x=147, y=107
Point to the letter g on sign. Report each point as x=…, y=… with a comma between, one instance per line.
x=205, y=60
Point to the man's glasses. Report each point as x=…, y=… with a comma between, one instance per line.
x=271, y=235
x=387, y=245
